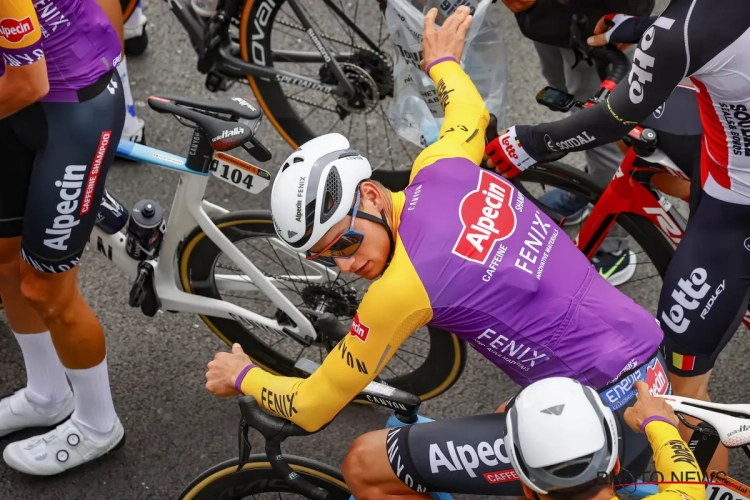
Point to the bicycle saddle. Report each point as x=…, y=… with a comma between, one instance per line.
x=228, y=123
x=731, y=421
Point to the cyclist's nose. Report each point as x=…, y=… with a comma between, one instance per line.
x=344, y=265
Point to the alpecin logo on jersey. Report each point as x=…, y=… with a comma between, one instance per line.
x=358, y=329
x=486, y=216
x=14, y=30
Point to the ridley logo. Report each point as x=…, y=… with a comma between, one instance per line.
x=358, y=329
x=14, y=30
x=486, y=216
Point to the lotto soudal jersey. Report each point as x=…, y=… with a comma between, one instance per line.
x=706, y=40
x=476, y=258
x=74, y=37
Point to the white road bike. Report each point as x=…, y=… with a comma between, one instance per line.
x=193, y=263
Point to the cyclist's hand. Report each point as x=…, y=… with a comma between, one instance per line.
x=647, y=406
x=614, y=28
x=505, y=155
x=517, y=6
x=448, y=41
x=223, y=371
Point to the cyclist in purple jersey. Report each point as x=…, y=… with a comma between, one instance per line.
x=463, y=250
x=61, y=116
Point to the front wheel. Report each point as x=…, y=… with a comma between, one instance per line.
x=257, y=479
x=427, y=364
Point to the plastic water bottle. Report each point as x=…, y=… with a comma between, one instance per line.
x=204, y=8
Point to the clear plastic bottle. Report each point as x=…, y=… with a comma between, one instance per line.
x=205, y=8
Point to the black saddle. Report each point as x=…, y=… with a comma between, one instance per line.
x=228, y=123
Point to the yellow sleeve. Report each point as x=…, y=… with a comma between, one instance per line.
x=466, y=118
x=393, y=307
x=19, y=25
x=676, y=465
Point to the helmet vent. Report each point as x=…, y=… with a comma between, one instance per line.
x=297, y=159
x=572, y=468
x=331, y=195
x=286, y=165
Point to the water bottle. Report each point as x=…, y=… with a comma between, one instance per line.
x=112, y=215
x=204, y=8
x=146, y=228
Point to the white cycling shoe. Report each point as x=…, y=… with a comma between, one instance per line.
x=64, y=448
x=18, y=413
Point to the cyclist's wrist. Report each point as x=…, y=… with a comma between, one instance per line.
x=438, y=61
x=241, y=377
x=655, y=418
x=514, y=149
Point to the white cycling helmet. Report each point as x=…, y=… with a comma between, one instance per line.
x=560, y=435
x=315, y=188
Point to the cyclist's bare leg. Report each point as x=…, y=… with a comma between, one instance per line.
x=21, y=316
x=697, y=388
x=368, y=473
x=79, y=341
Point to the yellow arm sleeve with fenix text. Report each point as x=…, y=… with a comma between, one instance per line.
x=393, y=307
x=466, y=118
x=676, y=467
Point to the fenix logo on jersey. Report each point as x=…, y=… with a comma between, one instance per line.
x=15, y=30
x=652, y=373
x=466, y=457
x=229, y=133
x=487, y=218
x=687, y=295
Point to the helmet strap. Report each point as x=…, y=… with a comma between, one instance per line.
x=384, y=222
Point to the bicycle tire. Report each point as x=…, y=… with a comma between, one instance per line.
x=560, y=175
x=272, y=100
x=440, y=370
x=128, y=6
x=226, y=482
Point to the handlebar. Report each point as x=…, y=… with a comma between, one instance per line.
x=276, y=429
x=580, y=31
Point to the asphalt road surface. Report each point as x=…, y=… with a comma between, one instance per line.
x=175, y=429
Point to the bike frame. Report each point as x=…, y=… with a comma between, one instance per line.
x=212, y=42
x=189, y=210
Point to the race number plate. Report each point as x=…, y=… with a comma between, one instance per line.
x=723, y=487
x=239, y=173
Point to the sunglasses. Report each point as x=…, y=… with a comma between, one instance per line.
x=343, y=247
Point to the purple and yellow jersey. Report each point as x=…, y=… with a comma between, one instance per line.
x=74, y=38
x=474, y=257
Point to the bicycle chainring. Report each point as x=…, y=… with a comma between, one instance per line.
x=332, y=298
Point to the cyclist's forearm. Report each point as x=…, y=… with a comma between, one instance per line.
x=313, y=402
x=675, y=462
x=22, y=86
x=587, y=129
x=466, y=116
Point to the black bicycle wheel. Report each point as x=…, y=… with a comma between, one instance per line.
x=427, y=364
x=300, y=114
x=257, y=478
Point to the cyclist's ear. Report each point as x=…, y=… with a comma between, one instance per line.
x=529, y=493
x=616, y=469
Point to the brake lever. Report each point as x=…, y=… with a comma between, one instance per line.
x=245, y=446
